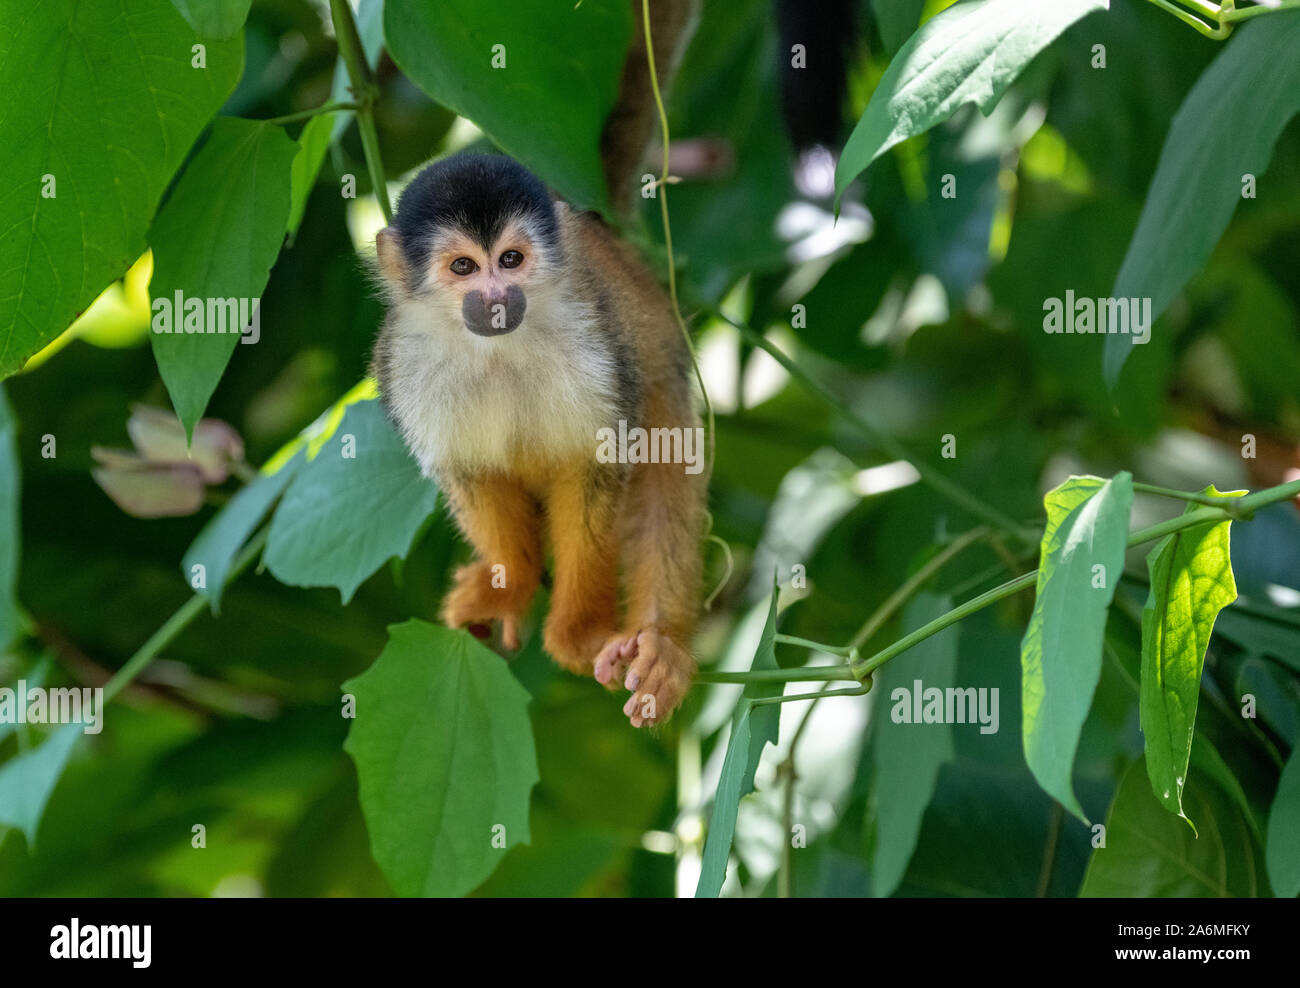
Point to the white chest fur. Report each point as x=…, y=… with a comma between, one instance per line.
x=471, y=402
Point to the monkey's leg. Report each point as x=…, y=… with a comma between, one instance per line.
x=501, y=520
x=662, y=527
x=583, y=510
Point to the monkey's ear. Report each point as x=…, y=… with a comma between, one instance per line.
x=392, y=263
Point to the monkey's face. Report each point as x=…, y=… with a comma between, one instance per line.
x=489, y=282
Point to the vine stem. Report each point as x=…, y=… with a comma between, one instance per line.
x=177, y=623
x=917, y=580
x=365, y=90
x=1215, y=31
x=313, y=112
x=1228, y=504
x=861, y=670
x=661, y=192
x=953, y=491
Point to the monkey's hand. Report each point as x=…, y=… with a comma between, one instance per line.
x=474, y=600
x=653, y=666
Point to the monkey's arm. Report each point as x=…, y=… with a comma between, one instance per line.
x=662, y=524
x=582, y=509
x=502, y=522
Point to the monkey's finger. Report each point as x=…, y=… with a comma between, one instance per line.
x=647, y=654
x=646, y=709
x=609, y=668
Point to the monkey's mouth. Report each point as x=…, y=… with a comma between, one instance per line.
x=496, y=318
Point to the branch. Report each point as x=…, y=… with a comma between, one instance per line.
x=365, y=91
x=862, y=669
x=177, y=623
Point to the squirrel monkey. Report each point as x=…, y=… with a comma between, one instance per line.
x=518, y=329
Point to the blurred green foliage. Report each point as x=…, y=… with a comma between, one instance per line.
x=925, y=316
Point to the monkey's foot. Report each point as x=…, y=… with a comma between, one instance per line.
x=475, y=603
x=654, y=667
x=572, y=642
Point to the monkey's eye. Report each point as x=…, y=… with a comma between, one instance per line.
x=463, y=266
x=512, y=259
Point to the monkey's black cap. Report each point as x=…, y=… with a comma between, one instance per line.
x=476, y=193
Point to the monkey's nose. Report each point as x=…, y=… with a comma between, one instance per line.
x=494, y=314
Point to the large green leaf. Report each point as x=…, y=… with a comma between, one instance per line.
x=444, y=754
x=1225, y=129
x=225, y=534
x=1151, y=854
x=1081, y=562
x=752, y=729
x=27, y=780
x=102, y=97
x=908, y=755
x=969, y=53
x=214, y=18
x=344, y=515
x=11, y=622
x=548, y=104
x=1282, y=852
x=1191, y=581
x=216, y=237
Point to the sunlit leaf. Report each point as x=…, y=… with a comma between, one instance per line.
x=1081, y=562
x=1191, y=581
x=969, y=53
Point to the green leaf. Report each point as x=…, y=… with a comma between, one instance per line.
x=11, y=620
x=969, y=53
x=896, y=20
x=27, y=780
x=313, y=142
x=752, y=729
x=225, y=534
x=908, y=755
x=1060, y=657
x=1225, y=129
x=1282, y=852
x=1206, y=759
x=1191, y=581
x=216, y=237
x=444, y=755
x=102, y=97
x=359, y=502
x=1276, y=692
x=1151, y=854
x=214, y=18
x=548, y=104
x=1261, y=633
